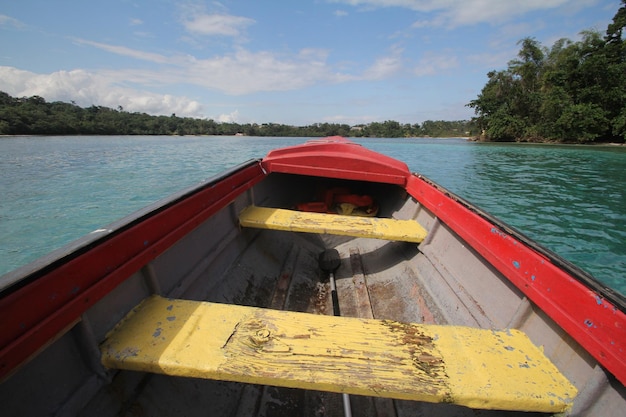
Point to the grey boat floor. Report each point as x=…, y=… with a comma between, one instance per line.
x=280, y=270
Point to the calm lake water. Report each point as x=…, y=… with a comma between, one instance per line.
x=571, y=199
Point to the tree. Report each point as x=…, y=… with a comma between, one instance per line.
x=574, y=91
x=495, y=107
x=615, y=50
x=614, y=42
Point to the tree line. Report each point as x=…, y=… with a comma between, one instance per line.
x=573, y=91
x=34, y=116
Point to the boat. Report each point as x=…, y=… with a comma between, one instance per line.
x=320, y=279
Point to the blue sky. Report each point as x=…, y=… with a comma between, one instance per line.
x=283, y=61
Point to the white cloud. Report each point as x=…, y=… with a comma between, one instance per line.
x=9, y=21
x=228, y=118
x=350, y=120
x=218, y=24
x=87, y=88
x=122, y=50
x=237, y=73
x=386, y=66
x=454, y=13
x=493, y=11
x=432, y=64
x=383, y=68
x=240, y=72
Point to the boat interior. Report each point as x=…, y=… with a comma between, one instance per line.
x=438, y=281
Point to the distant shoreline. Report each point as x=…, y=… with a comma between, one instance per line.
x=467, y=138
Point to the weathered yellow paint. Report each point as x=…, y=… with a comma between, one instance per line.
x=466, y=366
x=335, y=224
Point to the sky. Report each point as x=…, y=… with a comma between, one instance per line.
x=295, y=62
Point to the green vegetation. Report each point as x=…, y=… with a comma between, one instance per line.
x=34, y=116
x=574, y=91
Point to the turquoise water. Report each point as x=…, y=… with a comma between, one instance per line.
x=571, y=199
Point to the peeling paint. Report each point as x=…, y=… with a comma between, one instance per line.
x=516, y=264
x=298, y=350
x=499, y=232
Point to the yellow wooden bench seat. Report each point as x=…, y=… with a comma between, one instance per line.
x=472, y=367
x=299, y=221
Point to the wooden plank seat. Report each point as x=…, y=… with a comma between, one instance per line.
x=299, y=221
x=472, y=367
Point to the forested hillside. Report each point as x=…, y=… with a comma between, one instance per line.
x=35, y=116
x=573, y=91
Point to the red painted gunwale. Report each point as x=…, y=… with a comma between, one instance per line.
x=588, y=317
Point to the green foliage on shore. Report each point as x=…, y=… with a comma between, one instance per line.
x=35, y=116
x=573, y=91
